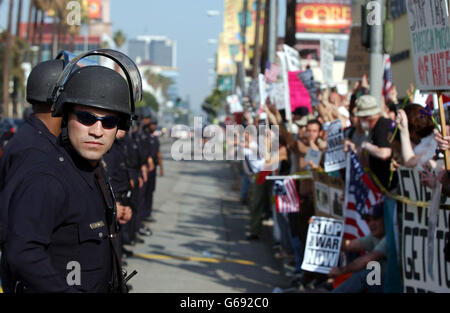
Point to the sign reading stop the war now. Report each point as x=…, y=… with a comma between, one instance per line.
x=430, y=43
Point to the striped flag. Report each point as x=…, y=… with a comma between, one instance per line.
x=286, y=197
x=271, y=72
x=387, y=77
x=361, y=195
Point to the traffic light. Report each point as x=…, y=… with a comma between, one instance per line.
x=365, y=28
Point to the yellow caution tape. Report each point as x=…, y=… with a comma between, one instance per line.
x=397, y=197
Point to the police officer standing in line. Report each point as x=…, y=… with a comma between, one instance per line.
x=39, y=132
x=148, y=166
x=156, y=158
x=117, y=169
x=62, y=216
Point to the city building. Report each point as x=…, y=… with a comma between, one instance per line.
x=159, y=50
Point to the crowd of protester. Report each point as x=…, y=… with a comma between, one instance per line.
x=384, y=136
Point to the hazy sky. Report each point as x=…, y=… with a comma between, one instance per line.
x=185, y=21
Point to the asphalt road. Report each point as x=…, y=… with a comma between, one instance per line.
x=198, y=243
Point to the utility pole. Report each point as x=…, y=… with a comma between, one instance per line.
x=376, y=52
x=272, y=30
x=241, y=69
x=257, y=54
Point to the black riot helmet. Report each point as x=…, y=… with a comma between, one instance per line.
x=98, y=86
x=42, y=79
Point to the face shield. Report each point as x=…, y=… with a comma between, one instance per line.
x=128, y=67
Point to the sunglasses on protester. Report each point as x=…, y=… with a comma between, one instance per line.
x=89, y=119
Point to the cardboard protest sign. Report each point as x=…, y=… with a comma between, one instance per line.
x=327, y=60
x=323, y=244
x=328, y=195
x=430, y=43
x=414, y=232
x=298, y=94
x=335, y=155
x=336, y=204
x=321, y=195
x=358, y=58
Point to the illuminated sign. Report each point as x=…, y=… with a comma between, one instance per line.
x=333, y=18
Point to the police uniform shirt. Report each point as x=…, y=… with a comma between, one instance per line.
x=31, y=141
x=117, y=167
x=57, y=237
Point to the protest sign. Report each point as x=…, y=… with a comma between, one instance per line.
x=313, y=155
x=277, y=95
x=430, y=42
x=327, y=60
x=323, y=244
x=234, y=104
x=284, y=74
x=307, y=78
x=335, y=155
x=292, y=58
x=321, y=194
x=336, y=204
x=262, y=90
x=414, y=232
x=328, y=195
x=298, y=94
x=357, y=62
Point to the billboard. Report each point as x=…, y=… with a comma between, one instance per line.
x=323, y=17
x=94, y=9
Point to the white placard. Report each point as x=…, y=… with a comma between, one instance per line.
x=292, y=59
x=430, y=43
x=327, y=60
x=323, y=244
x=335, y=155
x=414, y=238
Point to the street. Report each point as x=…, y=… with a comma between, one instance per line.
x=198, y=242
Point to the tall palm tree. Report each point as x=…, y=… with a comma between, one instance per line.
x=6, y=62
x=119, y=39
x=158, y=82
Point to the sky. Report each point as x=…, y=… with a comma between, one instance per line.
x=186, y=21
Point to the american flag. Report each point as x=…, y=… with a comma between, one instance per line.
x=271, y=72
x=286, y=197
x=387, y=77
x=361, y=195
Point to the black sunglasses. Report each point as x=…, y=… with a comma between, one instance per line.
x=89, y=119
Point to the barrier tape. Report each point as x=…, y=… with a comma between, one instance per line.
x=397, y=197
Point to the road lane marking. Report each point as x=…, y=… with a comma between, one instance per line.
x=190, y=258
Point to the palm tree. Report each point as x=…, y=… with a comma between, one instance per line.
x=119, y=39
x=6, y=62
x=158, y=82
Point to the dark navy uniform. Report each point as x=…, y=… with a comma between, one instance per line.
x=31, y=141
x=57, y=216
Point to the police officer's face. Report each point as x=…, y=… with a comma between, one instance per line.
x=91, y=142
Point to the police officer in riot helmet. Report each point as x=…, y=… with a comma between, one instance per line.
x=39, y=132
x=62, y=217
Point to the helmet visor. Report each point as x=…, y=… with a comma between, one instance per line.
x=128, y=67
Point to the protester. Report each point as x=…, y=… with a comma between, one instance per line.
x=375, y=246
